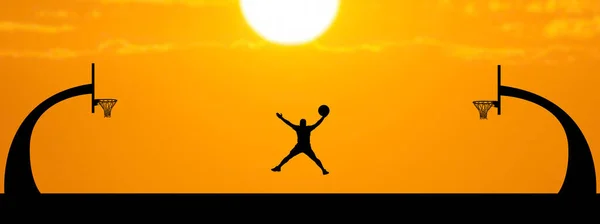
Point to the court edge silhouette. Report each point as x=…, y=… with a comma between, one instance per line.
x=580, y=178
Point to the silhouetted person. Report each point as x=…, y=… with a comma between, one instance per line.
x=303, y=145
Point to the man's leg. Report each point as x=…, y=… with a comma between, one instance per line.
x=311, y=154
x=293, y=153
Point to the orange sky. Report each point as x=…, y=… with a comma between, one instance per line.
x=198, y=91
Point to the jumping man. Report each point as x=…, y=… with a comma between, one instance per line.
x=303, y=145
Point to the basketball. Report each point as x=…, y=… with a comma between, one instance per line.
x=324, y=110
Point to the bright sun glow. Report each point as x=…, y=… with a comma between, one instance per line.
x=289, y=22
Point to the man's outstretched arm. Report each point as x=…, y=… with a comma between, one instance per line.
x=287, y=122
x=280, y=116
x=318, y=123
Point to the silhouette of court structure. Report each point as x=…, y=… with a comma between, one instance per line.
x=18, y=176
x=580, y=179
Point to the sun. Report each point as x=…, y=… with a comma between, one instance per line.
x=289, y=22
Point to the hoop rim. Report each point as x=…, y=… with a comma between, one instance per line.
x=485, y=102
x=107, y=99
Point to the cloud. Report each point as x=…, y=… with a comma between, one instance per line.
x=515, y=29
x=64, y=14
x=507, y=55
x=531, y=6
x=554, y=6
x=462, y=51
x=176, y=2
x=95, y=14
x=246, y=44
x=120, y=47
x=374, y=48
x=55, y=14
x=536, y=7
x=499, y=5
x=475, y=7
x=445, y=4
x=578, y=28
x=55, y=53
x=471, y=53
x=483, y=53
x=470, y=9
x=551, y=54
x=7, y=26
x=511, y=27
x=125, y=47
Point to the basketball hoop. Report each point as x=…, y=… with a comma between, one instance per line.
x=107, y=105
x=483, y=107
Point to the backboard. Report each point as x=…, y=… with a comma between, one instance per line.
x=498, y=103
x=483, y=106
x=106, y=104
x=94, y=103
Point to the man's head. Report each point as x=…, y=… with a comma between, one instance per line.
x=302, y=122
